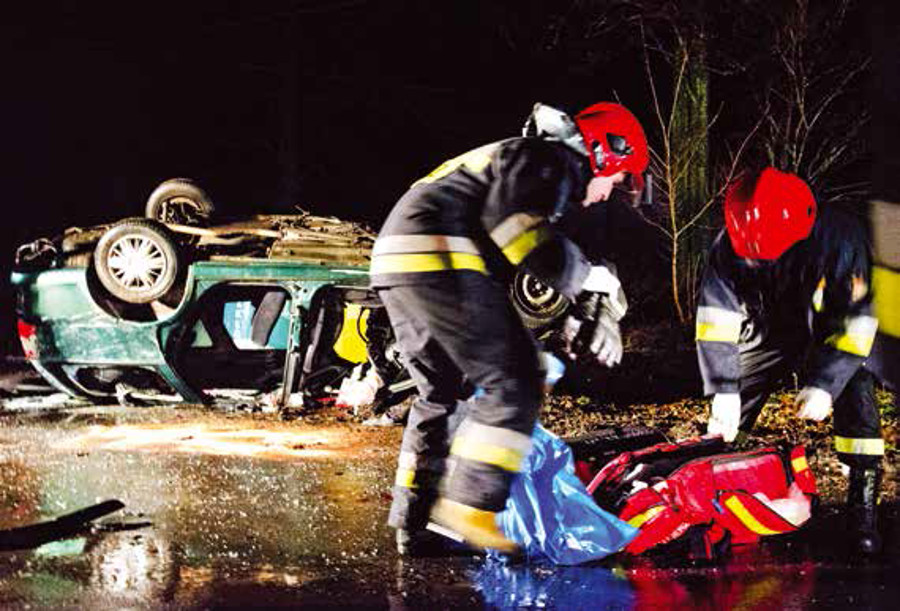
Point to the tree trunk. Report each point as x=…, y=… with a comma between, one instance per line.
x=690, y=123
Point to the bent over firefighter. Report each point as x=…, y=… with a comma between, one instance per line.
x=787, y=287
x=441, y=265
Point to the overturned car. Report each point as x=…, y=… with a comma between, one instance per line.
x=169, y=303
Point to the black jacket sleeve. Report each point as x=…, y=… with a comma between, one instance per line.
x=534, y=181
x=843, y=323
x=718, y=322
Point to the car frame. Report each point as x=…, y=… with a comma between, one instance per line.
x=91, y=337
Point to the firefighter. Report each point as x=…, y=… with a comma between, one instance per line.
x=787, y=287
x=884, y=206
x=441, y=265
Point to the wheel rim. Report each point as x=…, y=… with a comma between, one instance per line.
x=137, y=263
x=536, y=297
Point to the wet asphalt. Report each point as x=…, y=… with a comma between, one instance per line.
x=242, y=510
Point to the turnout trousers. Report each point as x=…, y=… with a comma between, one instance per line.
x=456, y=334
x=765, y=362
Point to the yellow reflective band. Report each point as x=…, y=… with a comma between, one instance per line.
x=508, y=459
x=642, y=518
x=426, y=262
x=737, y=508
x=513, y=226
x=818, y=298
x=866, y=447
x=799, y=464
x=406, y=478
x=475, y=160
x=718, y=325
x=886, y=297
x=519, y=248
x=858, y=336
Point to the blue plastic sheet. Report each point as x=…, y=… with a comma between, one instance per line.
x=573, y=587
x=550, y=513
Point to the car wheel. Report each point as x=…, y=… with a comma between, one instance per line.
x=136, y=260
x=538, y=304
x=179, y=201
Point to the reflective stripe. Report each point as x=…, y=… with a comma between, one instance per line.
x=864, y=446
x=799, y=464
x=406, y=478
x=520, y=233
x=513, y=226
x=718, y=325
x=743, y=514
x=432, y=262
x=519, y=248
x=491, y=445
x=410, y=460
x=475, y=160
x=886, y=296
x=818, y=298
x=640, y=519
x=858, y=336
x=885, y=221
x=424, y=243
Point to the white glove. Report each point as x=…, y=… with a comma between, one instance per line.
x=606, y=342
x=813, y=403
x=725, y=416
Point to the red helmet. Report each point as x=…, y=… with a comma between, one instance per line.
x=614, y=139
x=768, y=213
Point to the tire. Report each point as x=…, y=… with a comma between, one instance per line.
x=539, y=305
x=179, y=201
x=137, y=261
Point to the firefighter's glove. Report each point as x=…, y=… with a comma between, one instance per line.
x=725, y=416
x=813, y=403
x=592, y=330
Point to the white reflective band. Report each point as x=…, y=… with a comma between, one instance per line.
x=866, y=447
x=858, y=336
x=818, y=298
x=491, y=445
x=718, y=324
x=885, y=221
x=495, y=436
x=415, y=462
x=397, y=244
x=513, y=226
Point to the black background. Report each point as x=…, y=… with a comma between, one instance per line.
x=335, y=106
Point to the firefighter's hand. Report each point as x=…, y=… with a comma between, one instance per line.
x=600, y=339
x=813, y=403
x=605, y=342
x=725, y=416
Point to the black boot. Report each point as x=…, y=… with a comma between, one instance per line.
x=862, y=509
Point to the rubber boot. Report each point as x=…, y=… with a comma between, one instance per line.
x=862, y=509
x=475, y=527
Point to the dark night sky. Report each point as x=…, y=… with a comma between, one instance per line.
x=333, y=105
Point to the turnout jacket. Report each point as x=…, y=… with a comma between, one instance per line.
x=817, y=292
x=488, y=211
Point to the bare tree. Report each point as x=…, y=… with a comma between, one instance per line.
x=811, y=127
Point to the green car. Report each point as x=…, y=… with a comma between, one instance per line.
x=168, y=304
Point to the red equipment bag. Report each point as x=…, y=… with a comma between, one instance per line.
x=670, y=489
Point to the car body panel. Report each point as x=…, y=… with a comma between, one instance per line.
x=72, y=330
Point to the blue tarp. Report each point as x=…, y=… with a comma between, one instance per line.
x=550, y=513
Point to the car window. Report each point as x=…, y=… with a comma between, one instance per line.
x=240, y=316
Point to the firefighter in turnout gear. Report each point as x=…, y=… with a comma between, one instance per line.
x=787, y=287
x=441, y=265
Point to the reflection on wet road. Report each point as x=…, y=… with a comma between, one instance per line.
x=251, y=511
